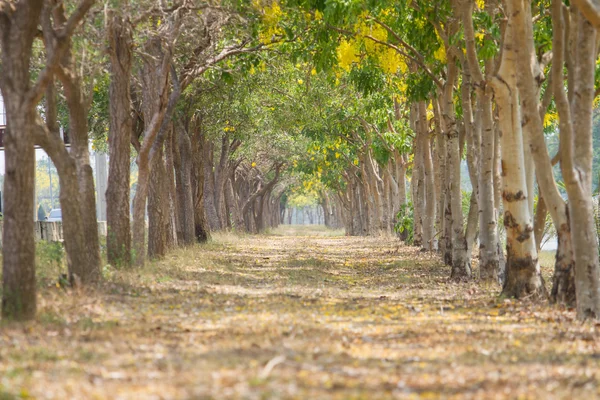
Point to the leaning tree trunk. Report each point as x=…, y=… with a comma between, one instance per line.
x=523, y=276
x=118, y=240
x=72, y=224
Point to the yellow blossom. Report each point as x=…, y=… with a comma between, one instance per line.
x=390, y=61
x=347, y=54
x=440, y=54
x=550, y=119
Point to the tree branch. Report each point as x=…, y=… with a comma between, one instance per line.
x=63, y=39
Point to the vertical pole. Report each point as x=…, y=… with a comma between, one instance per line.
x=50, y=177
x=101, y=184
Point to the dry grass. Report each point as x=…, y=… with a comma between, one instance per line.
x=302, y=314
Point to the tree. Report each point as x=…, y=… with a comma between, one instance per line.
x=19, y=23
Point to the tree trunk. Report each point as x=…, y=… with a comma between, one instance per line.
x=170, y=191
x=472, y=128
x=209, y=187
x=417, y=181
x=78, y=130
x=577, y=150
x=523, y=276
x=72, y=224
x=118, y=240
x=157, y=214
x=488, y=224
x=18, y=255
x=445, y=241
x=183, y=174
x=154, y=77
x=428, y=181
x=461, y=265
x=532, y=123
x=201, y=226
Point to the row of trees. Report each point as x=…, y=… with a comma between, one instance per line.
x=144, y=94
x=483, y=81
x=231, y=109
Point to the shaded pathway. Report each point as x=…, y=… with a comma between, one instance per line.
x=297, y=314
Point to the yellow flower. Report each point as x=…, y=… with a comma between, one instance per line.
x=300, y=81
x=337, y=155
x=271, y=17
x=480, y=4
x=313, y=71
x=440, y=54
x=253, y=164
x=318, y=15
x=550, y=119
x=347, y=54
x=390, y=61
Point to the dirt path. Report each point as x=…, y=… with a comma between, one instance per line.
x=307, y=315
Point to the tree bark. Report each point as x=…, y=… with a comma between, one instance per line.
x=523, y=276
x=18, y=26
x=73, y=231
x=183, y=173
x=461, y=265
x=18, y=250
x=209, y=187
x=170, y=191
x=154, y=77
x=157, y=212
x=118, y=240
x=576, y=150
x=428, y=181
x=201, y=225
